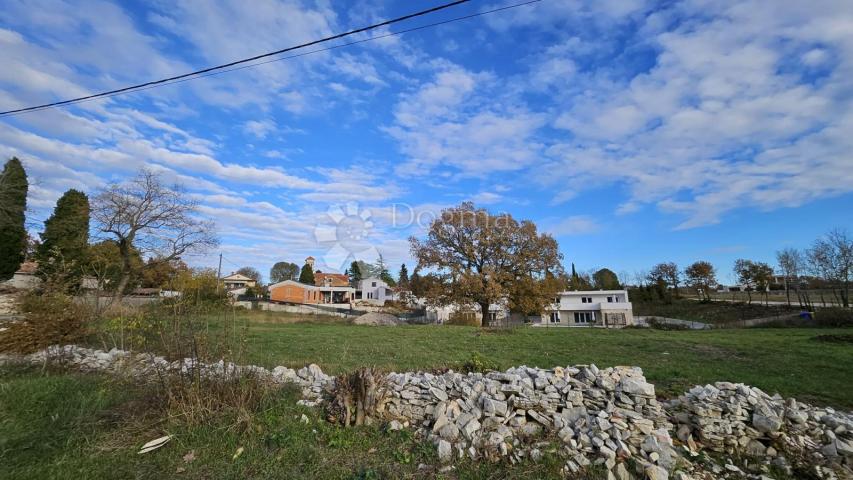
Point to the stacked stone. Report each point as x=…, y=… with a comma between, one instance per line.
x=600, y=416
x=607, y=417
x=310, y=379
x=736, y=418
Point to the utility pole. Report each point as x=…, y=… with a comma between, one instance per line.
x=219, y=273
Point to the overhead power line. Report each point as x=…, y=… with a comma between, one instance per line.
x=245, y=63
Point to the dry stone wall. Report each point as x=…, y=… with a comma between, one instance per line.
x=607, y=419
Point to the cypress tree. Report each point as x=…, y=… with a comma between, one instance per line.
x=13, y=205
x=355, y=274
x=403, y=278
x=65, y=240
x=306, y=276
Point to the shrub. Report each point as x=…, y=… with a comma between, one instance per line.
x=834, y=317
x=660, y=325
x=50, y=319
x=478, y=363
x=197, y=400
x=123, y=327
x=359, y=398
x=830, y=317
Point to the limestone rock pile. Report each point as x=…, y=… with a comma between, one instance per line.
x=602, y=416
x=593, y=418
x=738, y=419
x=311, y=379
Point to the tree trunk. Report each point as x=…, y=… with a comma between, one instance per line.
x=787, y=292
x=124, y=250
x=748, y=296
x=484, y=313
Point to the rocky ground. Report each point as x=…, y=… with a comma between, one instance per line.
x=8, y=301
x=9, y=298
x=376, y=319
x=605, y=419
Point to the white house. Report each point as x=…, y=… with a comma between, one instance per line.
x=444, y=313
x=374, y=291
x=593, y=308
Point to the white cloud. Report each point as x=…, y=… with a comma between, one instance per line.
x=715, y=125
x=572, y=225
x=259, y=128
x=453, y=121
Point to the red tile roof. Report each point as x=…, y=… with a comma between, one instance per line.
x=336, y=279
x=28, y=267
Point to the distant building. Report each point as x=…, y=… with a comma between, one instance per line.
x=237, y=283
x=467, y=314
x=374, y=290
x=25, y=278
x=330, y=279
x=592, y=308
x=291, y=291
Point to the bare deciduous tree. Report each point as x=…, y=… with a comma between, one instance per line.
x=831, y=258
x=160, y=222
x=753, y=276
x=790, y=262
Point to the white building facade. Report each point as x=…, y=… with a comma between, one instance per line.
x=593, y=308
x=374, y=291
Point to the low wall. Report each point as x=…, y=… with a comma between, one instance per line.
x=131, y=300
x=609, y=418
x=340, y=310
x=304, y=309
x=644, y=321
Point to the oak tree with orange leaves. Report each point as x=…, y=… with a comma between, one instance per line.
x=484, y=259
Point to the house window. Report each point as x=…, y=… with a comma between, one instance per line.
x=557, y=300
x=555, y=317
x=609, y=299
x=493, y=316
x=373, y=284
x=584, y=317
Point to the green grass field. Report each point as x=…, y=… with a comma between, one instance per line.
x=58, y=424
x=789, y=361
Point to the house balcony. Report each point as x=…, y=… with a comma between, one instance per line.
x=591, y=307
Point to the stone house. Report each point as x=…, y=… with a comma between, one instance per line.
x=25, y=278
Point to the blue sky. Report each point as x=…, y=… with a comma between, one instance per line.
x=634, y=131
